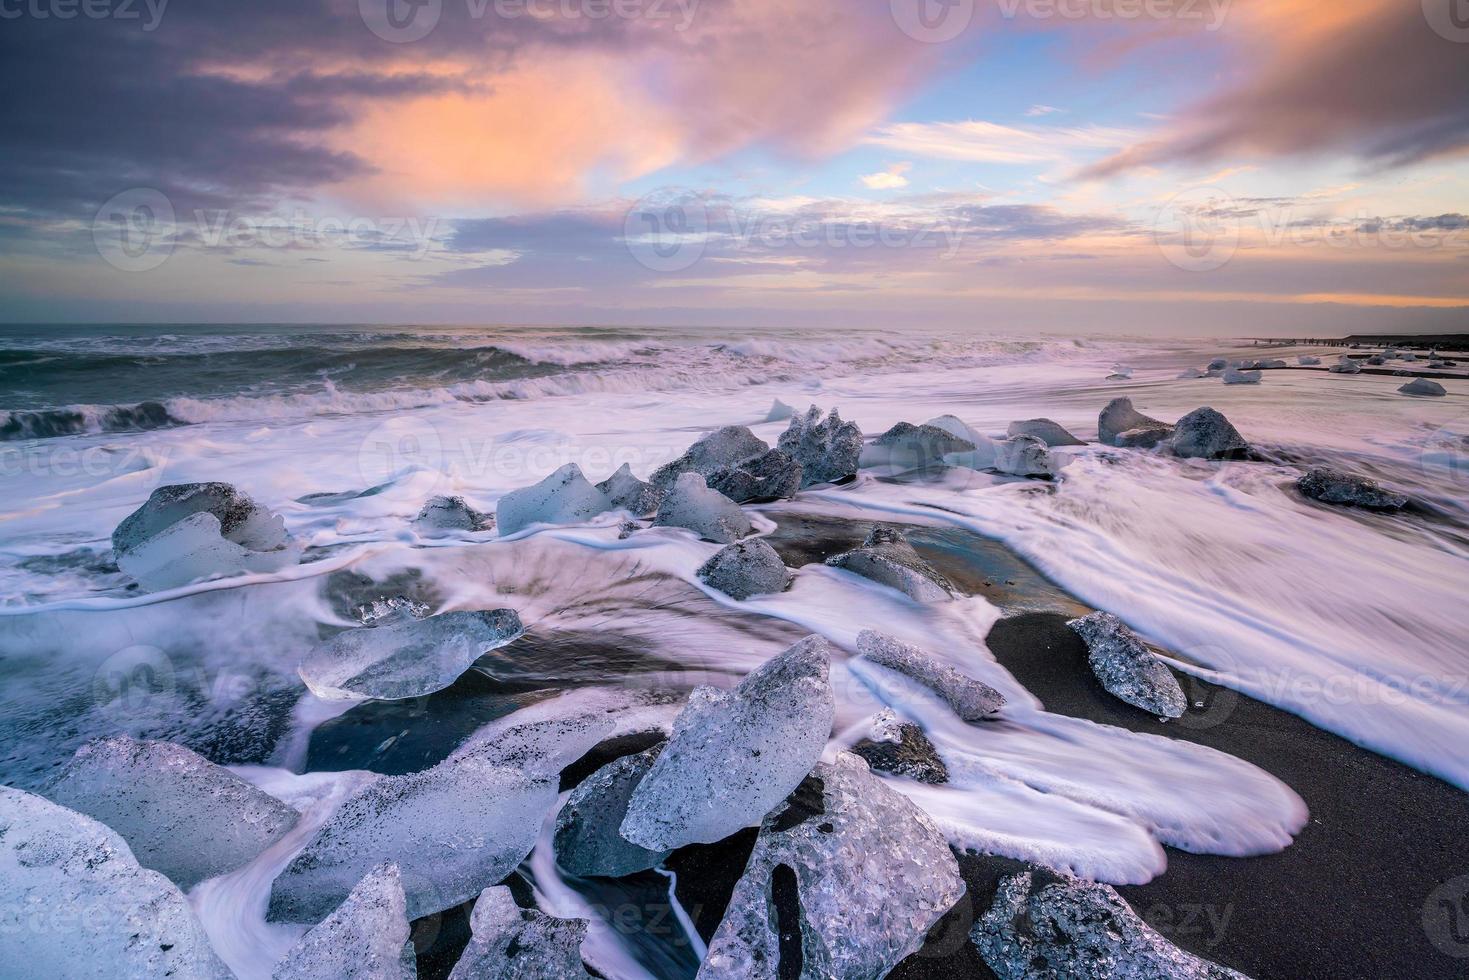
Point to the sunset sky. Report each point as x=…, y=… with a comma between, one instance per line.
x=1233, y=167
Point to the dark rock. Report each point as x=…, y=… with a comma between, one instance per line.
x=1207, y=434
x=901, y=748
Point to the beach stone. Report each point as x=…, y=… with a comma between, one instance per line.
x=1423, y=386
x=971, y=700
x=1049, y=925
x=887, y=558
x=708, y=513
x=1333, y=487
x=629, y=493
x=1207, y=434
x=722, y=449
x=564, y=497
x=452, y=514
x=587, y=842
x=1051, y=433
x=901, y=748
x=734, y=755
x=1026, y=456
x=845, y=880
x=1125, y=667
x=746, y=569
x=1119, y=416
x=366, y=938
x=773, y=475
x=828, y=449
x=181, y=814
x=511, y=943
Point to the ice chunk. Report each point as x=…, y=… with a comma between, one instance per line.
x=906, y=447
x=828, y=450
x=736, y=754
x=718, y=450
x=366, y=938
x=1233, y=377
x=1422, y=386
x=452, y=514
x=982, y=457
x=1147, y=437
x=773, y=475
x=779, y=412
x=1207, y=434
x=454, y=829
x=970, y=699
x=1347, y=365
x=1025, y=456
x=1051, y=433
x=901, y=748
x=564, y=497
x=389, y=609
x=1219, y=364
x=629, y=493
x=1119, y=416
x=1306, y=360
x=122, y=922
x=1192, y=374
x=1059, y=926
x=708, y=513
x=193, y=549
x=746, y=569
x=1377, y=360
x=511, y=943
x=887, y=557
x=587, y=841
x=240, y=519
x=849, y=871
x=1331, y=487
x=405, y=658
x=1125, y=667
x=180, y=813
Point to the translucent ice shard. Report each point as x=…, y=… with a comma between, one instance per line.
x=366, y=938
x=512, y=943
x=564, y=497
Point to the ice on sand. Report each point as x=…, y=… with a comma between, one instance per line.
x=721, y=449
x=511, y=943
x=827, y=449
x=1422, y=386
x=1125, y=667
x=746, y=569
x=180, y=813
x=587, y=842
x=906, y=446
x=1119, y=416
x=1051, y=433
x=405, y=658
x=735, y=755
x=970, y=699
x=1207, y=434
x=564, y=497
x=1026, y=456
x=1343, y=489
x=887, y=558
x=848, y=869
x=452, y=514
x=1235, y=377
x=121, y=921
x=366, y=938
x=629, y=493
x=708, y=513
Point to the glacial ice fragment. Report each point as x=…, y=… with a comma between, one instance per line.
x=1207, y=434
x=1025, y=456
x=1347, y=365
x=746, y=569
x=181, y=814
x=1306, y=360
x=1332, y=487
x=629, y=493
x=452, y=514
x=1051, y=433
x=1119, y=416
x=718, y=450
x=708, y=513
x=887, y=558
x=907, y=447
x=901, y=748
x=1125, y=667
x=971, y=700
x=564, y=497
x=366, y=938
x=1422, y=386
x=773, y=475
x=1234, y=377
x=779, y=411
x=828, y=449
x=512, y=943
x=587, y=842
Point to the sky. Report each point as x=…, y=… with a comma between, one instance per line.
x=1152, y=167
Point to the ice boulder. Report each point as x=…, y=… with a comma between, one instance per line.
x=1192, y=374
x=1119, y=416
x=1346, y=365
x=970, y=699
x=981, y=457
x=828, y=449
x=587, y=842
x=1207, y=434
x=708, y=513
x=564, y=497
x=901, y=748
x=123, y=922
x=907, y=447
x=629, y=493
x=1051, y=433
x=887, y=558
x=1233, y=377
x=716, y=451
x=1332, y=487
x=511, y=943
x=1377, y=360
x=773, y=475
x=1422, y=386
x=1219, y=364
x=746, y=569
x=1144, y=438
x=452, y=514
x=1409, y=357
x=1048, y=925
x=366, y=938
x=1306, y=360
x=845, y=881
x=1026, y=456
x=197, y=531
x=454, y=830
x=1125, y=667
x=405, y=657
x=181, y=814
x=735, y=755
x=779, y=412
